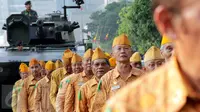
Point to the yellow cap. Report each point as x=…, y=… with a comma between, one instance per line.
x=121, y=40
x=152, y=53
x=165, y=40
x=107, y=55
x=98, y=54
x=76, y=58
x=23, y=67
x=50, y=66
x=88, y=53
x=66, y=60
x=68, y=53
x=42, y=63
x=112, y=62
x=58, y=64
x=33, y=62
x=135, y=57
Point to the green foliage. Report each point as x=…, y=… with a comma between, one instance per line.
x=137, y=22
x=105, y=22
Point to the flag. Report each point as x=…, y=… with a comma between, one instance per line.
x=95, y=39
x=106, y=38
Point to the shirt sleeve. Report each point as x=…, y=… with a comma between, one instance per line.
x=82, y=102
x=69, y=99
x=53, y=90
x=14, y=98
x=37, y=96
x=60, y=99
x=23, y=100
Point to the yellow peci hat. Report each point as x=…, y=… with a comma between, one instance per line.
x=68, y=53
x=152, y=54
x=98, y=54
x=76, y=58
x=112, y=62
x=50, y=66
x=121, y=40
x=107, y=55
x=42, y=63
x=23, y=67
x=33, y=62
x=135, y=57
x=165, y=40
x=88, y=54
x=58, y=64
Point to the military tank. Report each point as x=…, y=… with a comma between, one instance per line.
x=45, y=39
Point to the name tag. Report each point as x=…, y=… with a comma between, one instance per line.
x=80, y=83
x=115, y=87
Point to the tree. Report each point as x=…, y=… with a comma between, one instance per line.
x=136, y=21
x=105, y=23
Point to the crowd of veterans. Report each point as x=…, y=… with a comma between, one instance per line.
x=83, y=84
x=166, y=79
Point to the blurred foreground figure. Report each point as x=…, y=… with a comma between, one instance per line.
x=175, y=87
x=23, y=71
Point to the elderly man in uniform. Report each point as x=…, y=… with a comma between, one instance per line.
x=31, y=14
x=166, y=48
x=100, y=66
x=175, y=87
x=153, y=59
x=59, y=74
x=42, y=100
x=135, y=60
x=117, y=78
x=76, y=68
x=23, y=71
x=26, y=98
x=74, y=82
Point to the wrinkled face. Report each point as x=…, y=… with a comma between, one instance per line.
x=86, y=64
x=136, y=65
x=43, y=72
x=28, y=7
x=153, y=64
x=35, y=70
x=68, y=66
x=122, y=53
x=77, y=67
x=167, y=50
x=23, y=75
x=100, y=67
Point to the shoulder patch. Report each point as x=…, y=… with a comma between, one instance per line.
x=99, y=85
x=79, y=95
x=36, y=86
x=60, y=86
x=68, y=81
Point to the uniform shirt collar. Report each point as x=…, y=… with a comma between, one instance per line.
x=93, y=82
x=47, y=79
x=134, y=72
